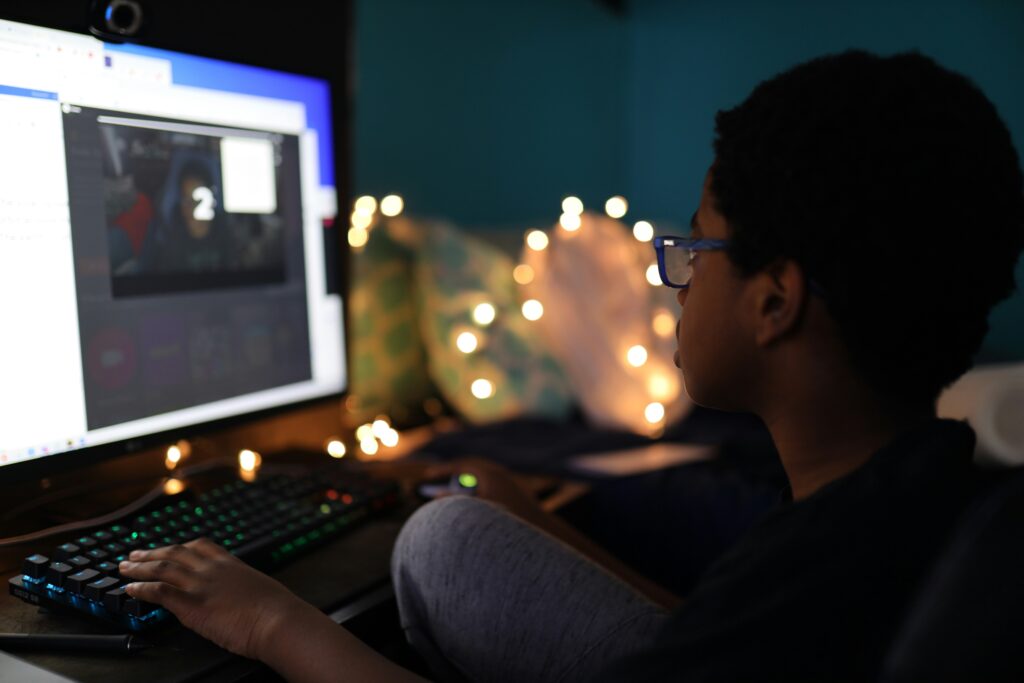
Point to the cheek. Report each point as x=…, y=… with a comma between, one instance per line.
x=690, y=356
x=710, y=354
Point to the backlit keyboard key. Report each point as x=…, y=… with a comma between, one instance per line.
x=35, y=566
x=76, y=582
x=56, y=572
x=67, y=550
x=98, y=588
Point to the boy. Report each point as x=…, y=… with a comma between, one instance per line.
x=861, y=218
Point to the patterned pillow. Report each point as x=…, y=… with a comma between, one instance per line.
x=389, y=363
x=612, y=331
x=509, y=373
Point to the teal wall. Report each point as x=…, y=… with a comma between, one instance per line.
x=488, y=113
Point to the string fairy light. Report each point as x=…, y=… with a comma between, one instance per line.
x=636, y=356
x=366, y=205
x=643, y=231
x=361, y=220
x=482, y=388
x=654, y=412
x=653, y=276
x=537, y=240
x=572, y=205
x=616, y=206
x=391, y=205
x=390, y=438
x=570, y=222
x=336, y=448
x=484, y=314
x=380, y=427
x=358, y=237
x=523, y=274
x=533, y=309
x=664, y=323
x=467, y=342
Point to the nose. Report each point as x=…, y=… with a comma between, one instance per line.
x=681, y=295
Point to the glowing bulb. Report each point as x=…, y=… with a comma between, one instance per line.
x=572, y=205
x=652, y=274
x=484, y=314
x=173, y=454
x=522, y=274
x=532, y=309
x=391, y=205
x=664, y=323
x=466, y=342
x=390, y=438
x=173, y=486
x=643, y=231
x=537, y=240
x=365, y=205
x=358, y=237
x=336, y=449
x=481, y=388
x=654, y=412
x=361, y=219
x=380, y=428
x=364, y=432
x=636, y=356
x=368, y=446
x=616, y=207
x=570, y=222
x=661, y=387
x=248, y=460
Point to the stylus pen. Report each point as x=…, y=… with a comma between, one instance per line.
x=85, y=643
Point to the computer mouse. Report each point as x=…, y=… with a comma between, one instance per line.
x=463, y=484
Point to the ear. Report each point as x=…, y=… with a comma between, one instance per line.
x=780, y=295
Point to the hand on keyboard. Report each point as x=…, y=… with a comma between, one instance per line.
x=213, y=593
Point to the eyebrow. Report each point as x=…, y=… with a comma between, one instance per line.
x=694, y=228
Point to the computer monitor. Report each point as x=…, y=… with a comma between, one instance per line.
x=163, y=265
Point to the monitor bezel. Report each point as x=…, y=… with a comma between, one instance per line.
x=80, y=458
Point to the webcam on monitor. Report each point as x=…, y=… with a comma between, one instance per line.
x=116, y=20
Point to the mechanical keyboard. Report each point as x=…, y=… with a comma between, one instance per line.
x=266, y=523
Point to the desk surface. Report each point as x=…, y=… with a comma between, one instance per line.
x=326, y=577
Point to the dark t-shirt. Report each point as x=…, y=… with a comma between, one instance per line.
x=817, y=589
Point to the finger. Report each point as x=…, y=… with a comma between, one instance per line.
x=179, y=554
x=159, y=593
x=156, y=570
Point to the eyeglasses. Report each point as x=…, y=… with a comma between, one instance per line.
x=675, y=260
x=675, y=257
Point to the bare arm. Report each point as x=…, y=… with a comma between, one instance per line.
x=247, y=612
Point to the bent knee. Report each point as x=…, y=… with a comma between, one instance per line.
x=439, y=530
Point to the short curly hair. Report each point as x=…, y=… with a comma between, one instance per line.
x=895, y=185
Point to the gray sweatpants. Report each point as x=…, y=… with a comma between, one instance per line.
x=484, y=596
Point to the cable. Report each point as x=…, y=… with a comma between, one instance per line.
x=128, y=509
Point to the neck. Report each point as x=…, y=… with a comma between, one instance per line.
x=824, y=439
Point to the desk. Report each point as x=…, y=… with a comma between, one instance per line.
x=348, y=567
x=328, y=577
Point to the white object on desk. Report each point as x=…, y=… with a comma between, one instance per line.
x=991, y=399
x=641, y=460
x=17, y=670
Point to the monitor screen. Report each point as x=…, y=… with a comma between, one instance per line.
x=162, y=253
